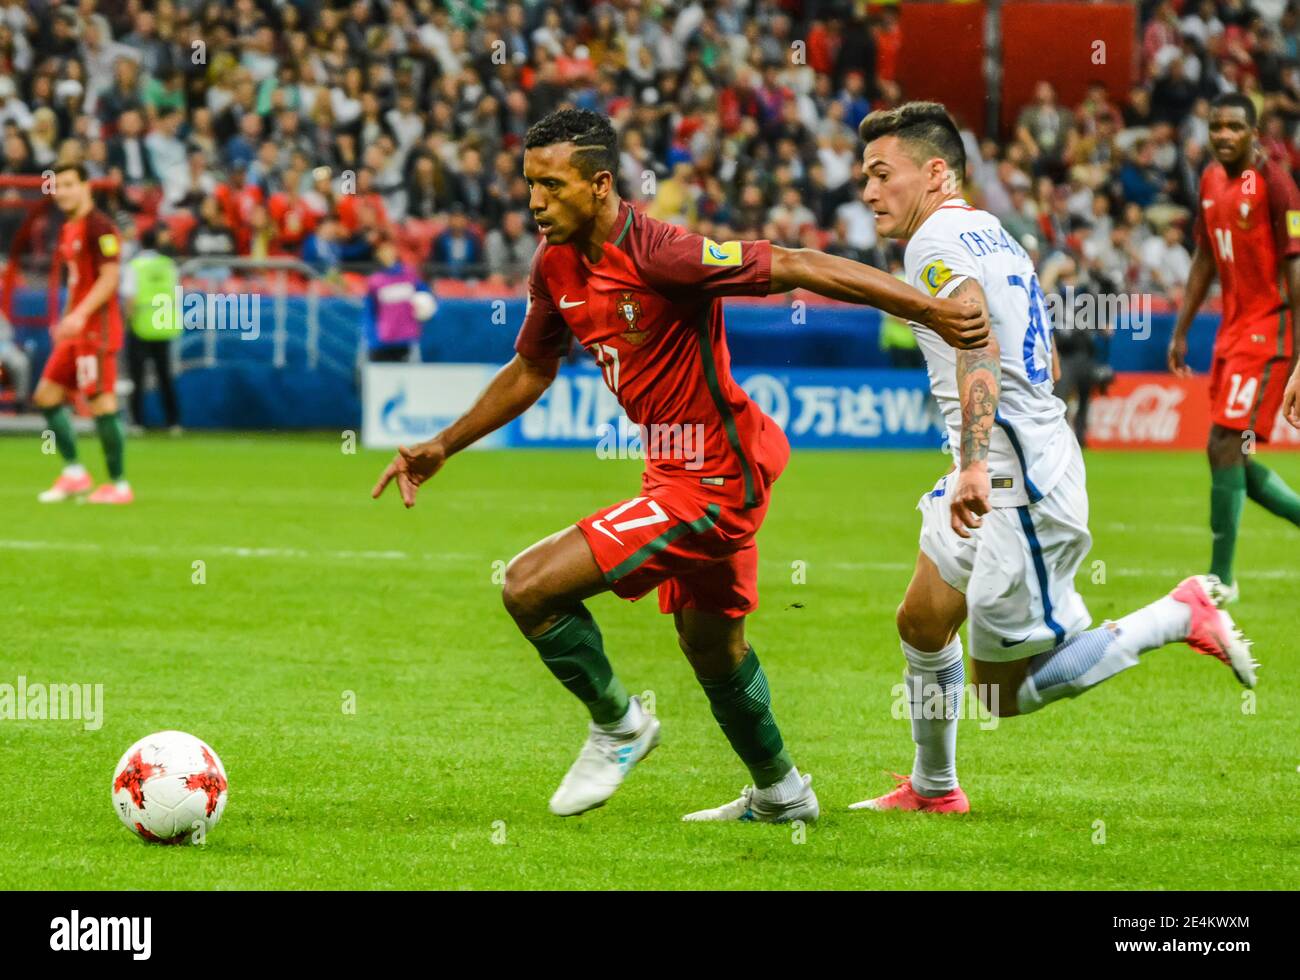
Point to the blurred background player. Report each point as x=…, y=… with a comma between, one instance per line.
x=394, y=314
x=1248, y=231
x=643, y=297
x=1078, y=340
x=148, y=278
x=86, y=342
x=15, y=366
x=1003, y=533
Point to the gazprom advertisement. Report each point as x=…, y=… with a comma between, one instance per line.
x=828, y=408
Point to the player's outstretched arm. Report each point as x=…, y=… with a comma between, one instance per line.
x=514, y=389
x=979, y=382
x=960, y=323
x=1198, y=286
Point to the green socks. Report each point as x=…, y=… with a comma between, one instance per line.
x=743, y=708
x=573, y=651
x=1270, y=491
x=1227, y=497
x=113, y=438
x=1229, y=488
x=60, y=423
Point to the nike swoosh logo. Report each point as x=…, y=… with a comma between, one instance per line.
x=1015, y=643
x=569, y=306
x=600, y=526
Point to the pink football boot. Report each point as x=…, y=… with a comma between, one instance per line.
x=108, y=493
x=66, y=487
x=1213, y=632
x=903, y=797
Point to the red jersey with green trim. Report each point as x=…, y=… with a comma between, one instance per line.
x=649, y=312
x=1251, y=224
x=85, y=246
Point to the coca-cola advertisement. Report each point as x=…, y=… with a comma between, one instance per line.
x=1160, y=411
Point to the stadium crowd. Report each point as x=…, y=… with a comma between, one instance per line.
x=295, y=127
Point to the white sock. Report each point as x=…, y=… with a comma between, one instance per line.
x=787, y=790
x=1164, y=621
x=935, y=682
x=123, y=485
x=631, y=721
x=74, y=470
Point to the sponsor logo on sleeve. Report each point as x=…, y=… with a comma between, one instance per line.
x=720, y=253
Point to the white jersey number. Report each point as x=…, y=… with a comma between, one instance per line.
x=607, y=358
x=1240, y=397
x=1224, y=238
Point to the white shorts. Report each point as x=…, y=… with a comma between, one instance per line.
x=1017, y=570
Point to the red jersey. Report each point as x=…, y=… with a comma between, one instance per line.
x=238, y=207
x=85, y=246
x=649, y=312
x=294, y=221
x=1251, y=224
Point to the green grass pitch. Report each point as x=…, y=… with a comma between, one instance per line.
x=1165, y=777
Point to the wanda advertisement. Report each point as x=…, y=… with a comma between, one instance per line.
x=1159, y=411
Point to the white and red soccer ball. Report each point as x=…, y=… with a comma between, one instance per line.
x=170, y=788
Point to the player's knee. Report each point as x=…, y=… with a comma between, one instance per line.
x=921, y=632
x=524, y=591
x=712, y=660
x=1224, y=448
x=45, y=398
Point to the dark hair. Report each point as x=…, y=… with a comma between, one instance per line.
x=1235, y=100
x=926, y=126
x=79, y=168
x=594, y=140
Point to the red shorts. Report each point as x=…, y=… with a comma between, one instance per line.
x=1246, y=392
x=84, y=366
x=701, y=555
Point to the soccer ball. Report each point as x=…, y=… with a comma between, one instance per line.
x=424, y=306
x=170, y=787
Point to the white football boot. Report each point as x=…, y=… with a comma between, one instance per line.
x=755, y=805
x=1221, y=594
x=602, y=765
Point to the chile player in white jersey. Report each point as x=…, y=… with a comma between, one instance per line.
x=1004, y=531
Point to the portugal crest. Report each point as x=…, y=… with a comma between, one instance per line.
x=628, y=310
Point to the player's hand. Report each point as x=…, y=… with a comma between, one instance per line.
x=1177, y=357
x=1291, y=399
x=962, y=324
x=70, y=326
x=970, y=501
x=410, y=468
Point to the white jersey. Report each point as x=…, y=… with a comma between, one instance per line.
x=1031, y=444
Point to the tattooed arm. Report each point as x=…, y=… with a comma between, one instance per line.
x=979, y=380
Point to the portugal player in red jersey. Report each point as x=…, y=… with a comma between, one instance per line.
x=86, y=342
x=1248, y=230
x=643, y=297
